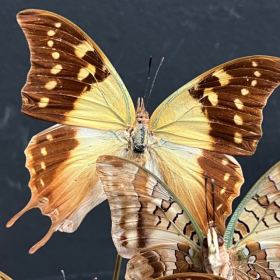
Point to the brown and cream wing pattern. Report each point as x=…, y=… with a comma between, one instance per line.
x=191, y=276
x=221, y=110
x=143, y=210
x=254, y=229
x=71, y=81
x=162, y=260
x=184, y=168
x=64, y=184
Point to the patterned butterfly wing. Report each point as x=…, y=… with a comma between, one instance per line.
x=184, y=168
x=71, y=81
x=218, y=112
x=146, y=215
x=221, y=110
x=254, y=229
x=64, y=184
x=191, y=276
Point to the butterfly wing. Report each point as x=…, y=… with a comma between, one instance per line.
x=183, y=169
x=218, y=112
x=146, y=214
x=221, y=110
x=3, y=276
x=191, y=276
x=254, y=229
x=71, y=81
x=64, y=184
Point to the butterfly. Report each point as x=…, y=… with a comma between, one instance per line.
x=152, y=227
x=197, y=129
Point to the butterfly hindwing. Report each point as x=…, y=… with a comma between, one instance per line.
x=71, y=81
x=64, y=184
x=144, y=212
x=192, y=276
x=221, y=110
x=183, y=169
x=254, y=229
x=161, y=260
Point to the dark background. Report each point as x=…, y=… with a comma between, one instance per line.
x=193, y=36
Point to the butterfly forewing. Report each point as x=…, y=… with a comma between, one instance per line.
x=3, y=276
x=254, y=229
x=221, y=110
x=64, y=185
x=71, y=81
x=143, y=211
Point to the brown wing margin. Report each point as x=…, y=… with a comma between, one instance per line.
x=71, y=81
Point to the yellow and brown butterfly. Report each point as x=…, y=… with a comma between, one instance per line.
x=72, y=83
x=153, y=228
x=3, y=276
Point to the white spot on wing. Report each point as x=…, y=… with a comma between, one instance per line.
x=44, y=151
x=56, y=69
x=226, y=177
x=49, y=137
x=238, y=120
x=55, y=55
x=253, y=83
x=51, y=33
x=50, y=43
x=225, y=161
x=244, y=91
x=43, y=103
x=237, y=138
x=238, y=103
x=57, y=24
x=50, y=85
x=254, y=63
x=43, y=165
x=257, y=73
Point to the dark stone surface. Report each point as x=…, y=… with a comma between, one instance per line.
x=193, y=36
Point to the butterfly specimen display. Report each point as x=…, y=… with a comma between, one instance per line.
x=196, y=130
x=147, y=215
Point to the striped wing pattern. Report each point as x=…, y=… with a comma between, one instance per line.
x=146, y=215
x=192, y=276
x=254, y=230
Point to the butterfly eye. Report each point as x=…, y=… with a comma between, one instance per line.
x=205, y=243
x=220, y=240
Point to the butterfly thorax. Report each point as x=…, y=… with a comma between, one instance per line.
x=216, y=256
x=139, y=135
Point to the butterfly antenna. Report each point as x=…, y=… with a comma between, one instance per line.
x=213, y=200
x=206, y=199
x=149, y=72
x=154, y=81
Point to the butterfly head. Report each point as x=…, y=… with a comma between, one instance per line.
x=140, y=132
x=213, y=242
